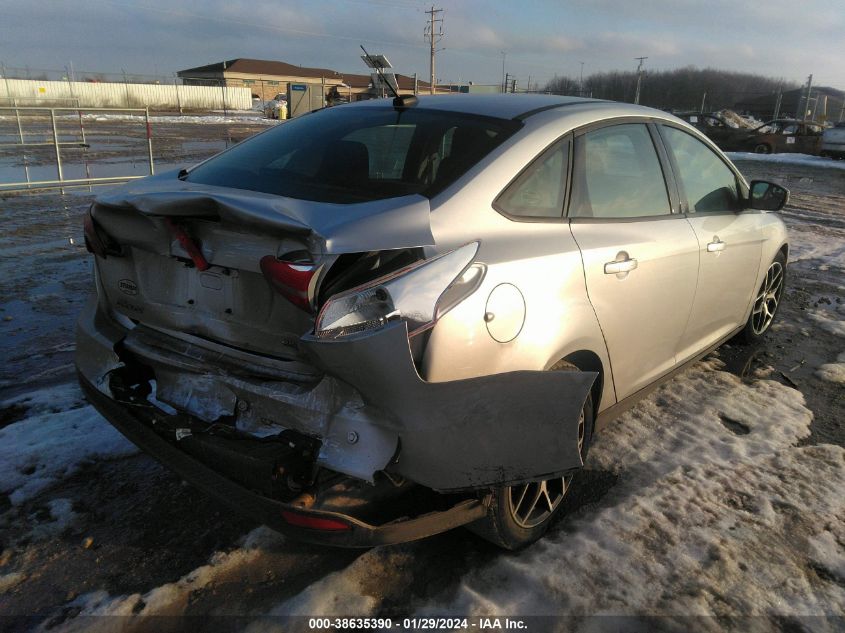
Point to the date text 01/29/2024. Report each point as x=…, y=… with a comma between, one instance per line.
x=416, y=623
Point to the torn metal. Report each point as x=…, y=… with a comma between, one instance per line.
x=480, y=432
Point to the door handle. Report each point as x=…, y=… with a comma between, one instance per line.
x=716, y=245
x=617, y=267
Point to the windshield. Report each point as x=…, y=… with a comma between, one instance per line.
x=351, y=154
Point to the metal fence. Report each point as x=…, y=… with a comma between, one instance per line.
x=23, y=112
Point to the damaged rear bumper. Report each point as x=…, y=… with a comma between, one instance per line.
x=365, y=403
x=328, y=528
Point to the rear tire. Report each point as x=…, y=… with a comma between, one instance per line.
x=762, y=148
x=520, y=515
x=766, y=301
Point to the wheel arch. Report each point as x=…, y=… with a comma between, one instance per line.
x=587, y=360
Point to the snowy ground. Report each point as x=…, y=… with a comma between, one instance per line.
x=207, y=119
x=789, y=159
x=718, y=502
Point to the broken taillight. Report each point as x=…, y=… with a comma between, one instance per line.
x=97, y=241
x=291, y=280
x=418, y=294
x=314, y=522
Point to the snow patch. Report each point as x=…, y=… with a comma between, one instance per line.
x=807, y=243
x=682, y=424
x=10, y=581
x=702, y=521
x=61, y=511
x=58, y=436
x=828, y=321
x=793, y=159
x=833, y=372
x=171, y=599
x=705, y=541
x=186, y=118
x=338, y=594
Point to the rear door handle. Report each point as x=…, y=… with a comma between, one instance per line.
x=716, y=245
x=624, y=266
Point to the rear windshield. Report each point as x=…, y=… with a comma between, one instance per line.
x=350, y=154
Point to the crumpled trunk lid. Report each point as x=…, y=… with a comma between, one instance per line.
x=155, y=278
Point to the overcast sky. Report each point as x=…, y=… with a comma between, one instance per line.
x=779, y=38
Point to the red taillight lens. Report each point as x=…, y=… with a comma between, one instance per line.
x=315, y=523
x=290, y=280
x=188, y=244
x=93, y=243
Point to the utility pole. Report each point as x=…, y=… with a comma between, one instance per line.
x=639, y=78
x=581, y=82
x=434, y=33
x=778, y=101
x=804, y=101
x=506, y=83
x=504, y=78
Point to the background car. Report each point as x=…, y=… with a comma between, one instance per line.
x=833, y=141
x=715, y=127
x=784, y=135
x=389, y=319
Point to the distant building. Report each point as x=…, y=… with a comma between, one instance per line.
x=266, y=79
x=825, y=104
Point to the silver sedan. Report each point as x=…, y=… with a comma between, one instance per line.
x=384, y=320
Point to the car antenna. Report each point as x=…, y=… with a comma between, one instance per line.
x=398, y=102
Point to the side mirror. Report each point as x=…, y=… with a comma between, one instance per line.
x=767, y=196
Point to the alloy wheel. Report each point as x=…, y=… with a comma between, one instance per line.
x=766, y=302
x=532, y=503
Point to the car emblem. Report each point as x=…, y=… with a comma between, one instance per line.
x=127, y=286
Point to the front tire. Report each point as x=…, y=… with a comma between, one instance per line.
x=762, y=148
x=520, y=515
x=766, y=301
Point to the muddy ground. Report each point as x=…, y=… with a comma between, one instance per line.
x=140, y=527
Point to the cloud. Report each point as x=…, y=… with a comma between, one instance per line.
x=541, y=38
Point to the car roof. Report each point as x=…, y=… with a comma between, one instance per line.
x=502, y=106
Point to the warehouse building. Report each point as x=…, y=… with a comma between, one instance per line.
x=266, y=79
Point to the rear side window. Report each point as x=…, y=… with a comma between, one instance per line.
x=350, y=154
x=709, y=185
x=617, y=175
x=538, y=192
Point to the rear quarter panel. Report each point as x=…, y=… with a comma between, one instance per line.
x=541, y=259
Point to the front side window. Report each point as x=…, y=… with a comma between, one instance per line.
x=617, y=175
x=348, y=155
x=709, y=185
x=538, y=191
